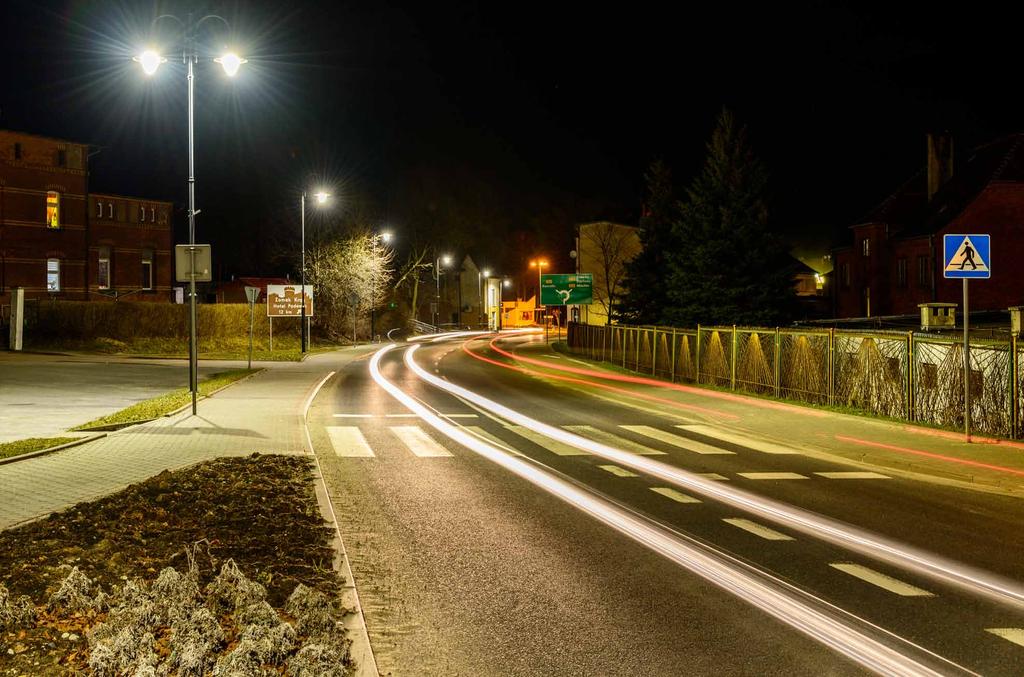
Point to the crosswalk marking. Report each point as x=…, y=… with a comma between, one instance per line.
x=713, y=476
x=617, y=471
x=739, y=439
x=1015, y=635
x=554, y=446
x=677, y=496
x=853, y=475
x=675, y=440
x=496, y=441
x=772, y=475
x=757, y=529
x=405, y=415
x=881, y=580
x=348, y=441
x=419, y=442
x=613, y=440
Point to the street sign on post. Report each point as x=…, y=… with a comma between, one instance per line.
x=285, y=300
x=193, y=262
x=566, y=289
x=965, y=257
x=252, y=294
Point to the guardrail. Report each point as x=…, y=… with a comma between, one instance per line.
x=903, y=375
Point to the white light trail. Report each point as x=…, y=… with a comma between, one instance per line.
x=834, y=531
x=827, y=629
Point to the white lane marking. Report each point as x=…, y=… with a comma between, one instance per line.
x=675, y=440
x=853, y=475
x=1015, y=635
x=419, y=442
x=400, y=415
x=599, y=435
x=617, y=471
x=493, y=439
x=747, y=441
x=757, y=529
x=713, y=476
x=881, y=580
x=353, y=415
x=677, y=496
x=772, y=475
x=554, y=446
x=348, y=441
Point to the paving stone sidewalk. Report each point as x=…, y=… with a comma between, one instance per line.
x=260, y=414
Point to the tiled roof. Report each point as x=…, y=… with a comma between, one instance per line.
x=908, y=211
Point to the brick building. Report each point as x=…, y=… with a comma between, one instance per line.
x=895, y=260
x=59, y=241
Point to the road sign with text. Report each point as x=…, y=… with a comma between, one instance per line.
x=966, y=256
x=285, y=300
x=566, y=289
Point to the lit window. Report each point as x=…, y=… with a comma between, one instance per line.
x=152, y=215
x=52, y=275
x=53, y=209
x=110, y=210
x=147, y=268
x=866, y=246
x=103, y=269
x=99, y=210
x=923, y=277
x=142, y=214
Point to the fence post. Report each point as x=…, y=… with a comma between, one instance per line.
x=622, y=342
x=1014, y=389
x=911, y=414
x=732, y=362
x=696, y=365
x=778, y=363
x=672, y=359
x=830, y=367
x=654, y=353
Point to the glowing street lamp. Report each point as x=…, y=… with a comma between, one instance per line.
x=321, y=199
x=539, y=264
x=446, y=260
x=480, y=277
x=384, y=237
x=150, y=61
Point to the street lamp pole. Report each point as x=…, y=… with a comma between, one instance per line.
x=437, y=292
x=302, y=296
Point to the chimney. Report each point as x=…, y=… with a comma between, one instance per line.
x=940, y=161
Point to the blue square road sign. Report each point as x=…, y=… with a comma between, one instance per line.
x=966, y=256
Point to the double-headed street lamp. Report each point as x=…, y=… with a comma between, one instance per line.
x=321, y=199
x=446, y=260
x=150, y=61
x=539, y=264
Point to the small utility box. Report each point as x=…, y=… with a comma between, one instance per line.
x=1015, y=313
x=937, y=316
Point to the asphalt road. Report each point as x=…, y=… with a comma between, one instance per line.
x=44, y=395
x=474, y=561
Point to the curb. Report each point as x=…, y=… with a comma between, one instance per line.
x=50, y=450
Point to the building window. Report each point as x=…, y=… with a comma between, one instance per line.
x=845, y=271
x=62, y=157
x=901, y=273
x=865, y=246
x=152, y=215
x=99, y=210
x=103, y=269
x=110, y=210
x=17, y=151
x=53, y=275
x=147, y=268
x=52, y=209
x=922, y=271
x=142, y=214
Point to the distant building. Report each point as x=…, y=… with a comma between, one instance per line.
x=234, y=291
x=603, y=249
x=895, y=260
x=59, y=241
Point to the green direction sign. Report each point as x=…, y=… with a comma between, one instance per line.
x=567, y=290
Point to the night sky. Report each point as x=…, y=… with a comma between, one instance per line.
x=512, y=121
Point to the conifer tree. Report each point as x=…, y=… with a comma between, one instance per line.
x=645, y=296
x=727, y=266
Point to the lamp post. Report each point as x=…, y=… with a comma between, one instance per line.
x=150, y=61
x=321, y=199
x=539, y=264
x=437, y=280
x=386, y=237
x=480, y=277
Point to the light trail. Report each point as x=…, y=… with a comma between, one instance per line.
x=834, y=531
x=827, y=629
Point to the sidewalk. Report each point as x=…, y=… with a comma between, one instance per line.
x=260, y=414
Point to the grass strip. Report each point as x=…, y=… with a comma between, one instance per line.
x=163, y=404
x=19, y=447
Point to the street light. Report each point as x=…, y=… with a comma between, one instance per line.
x=386, y=238
x=480, y=277
x=321, y=199
x=150, y=61
x=446, y=260
x=539, y=264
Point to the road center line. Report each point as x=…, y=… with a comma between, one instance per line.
x=617, y=471
x=757, y=529
x=1015, y=635
x=853, y=475
x=772, y=475
x=677, y=496
x=881, y=580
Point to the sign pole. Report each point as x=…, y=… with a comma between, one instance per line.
x=967, y=367
x=271, y=333
x=252, y=318
x=193, y=351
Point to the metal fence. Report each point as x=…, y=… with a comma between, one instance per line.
x=903, y=375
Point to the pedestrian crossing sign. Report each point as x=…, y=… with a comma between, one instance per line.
x=966, y=256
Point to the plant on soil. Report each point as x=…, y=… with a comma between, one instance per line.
x=78, y=594
x=15, y=612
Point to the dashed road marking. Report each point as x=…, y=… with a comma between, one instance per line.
x=677, y=496
x=419, y=442
x=772, y=475
x=713, y=476
x=757, y=529
x=747, y=441
x=853, y=475
x=554, y=446
x=613, y=440
x=353, y=415
x=675, y=440
x=348, y=442
x=1015, y=635
x=617, y=471
x=881, y=580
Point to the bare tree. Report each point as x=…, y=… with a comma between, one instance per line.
x=604, y=250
